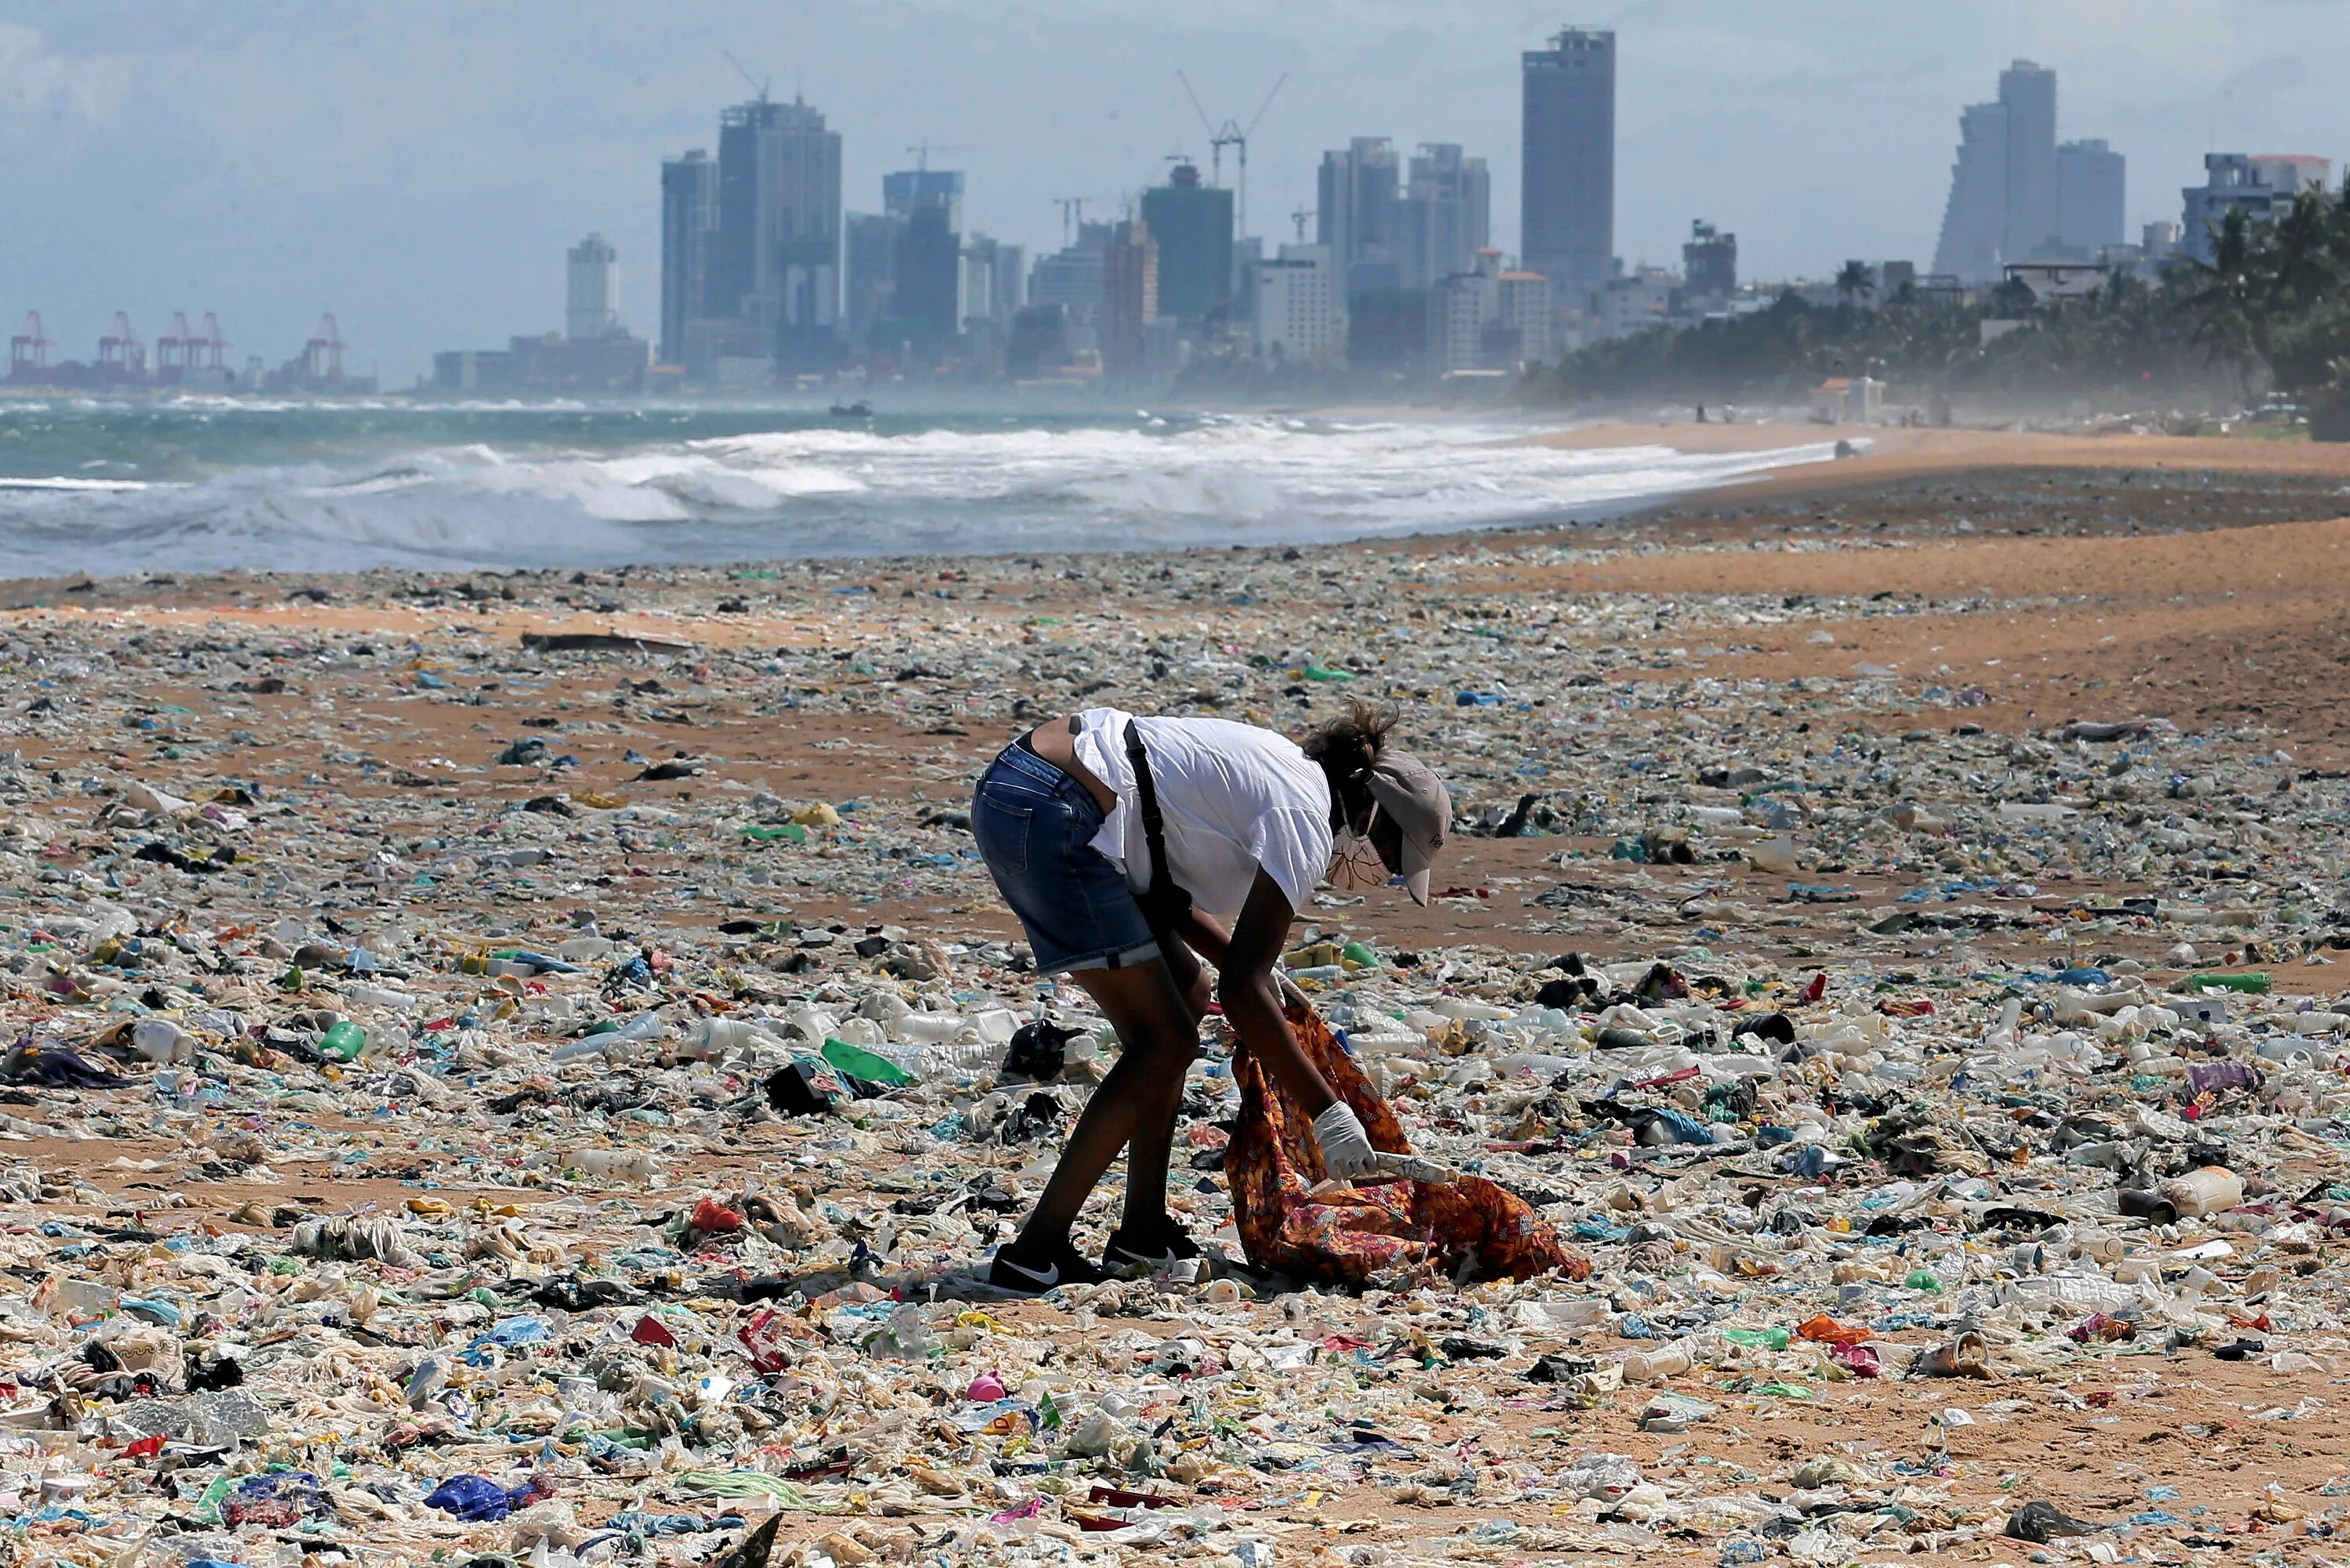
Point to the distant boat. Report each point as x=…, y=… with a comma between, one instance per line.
x=859, y=410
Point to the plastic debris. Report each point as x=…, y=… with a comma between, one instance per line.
x=538, y=1114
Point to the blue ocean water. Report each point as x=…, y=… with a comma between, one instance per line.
x=104, y=486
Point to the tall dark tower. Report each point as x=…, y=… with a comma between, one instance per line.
x=1568, y=211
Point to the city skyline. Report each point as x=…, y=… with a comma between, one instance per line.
x=428, y=198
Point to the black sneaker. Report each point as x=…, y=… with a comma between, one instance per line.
x=1159, y=1248
x=1065, y=1266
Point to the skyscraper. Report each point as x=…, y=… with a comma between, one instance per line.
x=1974, y=221
x=1129, y=299
x=1192, y=223
x=689, y=215
x=1445, y=217
x=2090, y=180
x=871, y=245
x=1567, y=199
x=591, y=291
x=2028, y=93
x=926, y=269
x=2006, y=188
x=908, y=189
x=1072, y=278
x=1356, y=200
x=762, y=281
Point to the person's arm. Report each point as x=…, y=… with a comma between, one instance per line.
x=1205, y=935
x=1252, y=998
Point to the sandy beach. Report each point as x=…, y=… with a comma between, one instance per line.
x=1887, y=631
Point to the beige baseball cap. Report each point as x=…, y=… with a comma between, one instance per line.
x=1414, y=799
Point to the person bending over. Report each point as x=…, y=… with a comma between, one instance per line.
x=1126, y=901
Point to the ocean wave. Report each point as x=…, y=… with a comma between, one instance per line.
x=822, y=488
x=75, y=486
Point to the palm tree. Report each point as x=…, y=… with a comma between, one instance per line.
x=1857, y=281
x=2307, y=256
x=2227, y=296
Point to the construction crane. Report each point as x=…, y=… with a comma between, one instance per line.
x=1073, y=214
x=29, y=352
x=209, y=342
x=1230, y=134
x=1299, y=217
x=756, y=84
x=322, y=356
x=172, y=349
x=923, y=151
x=120, y=354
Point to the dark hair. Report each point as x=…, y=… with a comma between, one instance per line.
x=1348, y=745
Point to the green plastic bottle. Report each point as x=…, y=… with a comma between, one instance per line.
x=2253, y=984
x=343, y=1042
x=1356, y=952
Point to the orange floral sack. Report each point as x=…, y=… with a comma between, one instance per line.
x=1389, y=1234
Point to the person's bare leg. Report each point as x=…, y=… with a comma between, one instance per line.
x=1151, y=1149
x=1158, y=1040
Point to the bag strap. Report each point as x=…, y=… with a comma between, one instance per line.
x=1165, y=896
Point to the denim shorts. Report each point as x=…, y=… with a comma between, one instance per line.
x=1034, y=824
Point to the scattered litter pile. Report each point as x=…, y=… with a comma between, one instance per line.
x=480, y=1101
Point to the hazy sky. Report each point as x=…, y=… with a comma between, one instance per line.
x=419, y=165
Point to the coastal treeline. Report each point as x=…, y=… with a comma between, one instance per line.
x=2269, y=316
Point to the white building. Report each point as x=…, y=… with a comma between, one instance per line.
x=592, y=295
x=1624, y=305
x=2262, y=188
x=1298, y=313
x=976, y=288
x=1523, y=307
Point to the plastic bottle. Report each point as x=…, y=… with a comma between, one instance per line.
x=2213, y=1189
x=714, y=1036
x=343, y=1042
x=860, y=1031
x=2255, y=983
x=359, y=994
x=2286, y=1051
x=1655, y=1365
x=926, y=1028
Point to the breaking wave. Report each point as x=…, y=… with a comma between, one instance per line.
x=303, y=488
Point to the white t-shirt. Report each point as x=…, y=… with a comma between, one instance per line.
x=1235, y=798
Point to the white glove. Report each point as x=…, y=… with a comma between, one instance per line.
x=1347, y=1151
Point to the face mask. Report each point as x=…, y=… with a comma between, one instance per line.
x=1354, y=864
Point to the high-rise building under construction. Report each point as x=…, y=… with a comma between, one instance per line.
x=761, y=280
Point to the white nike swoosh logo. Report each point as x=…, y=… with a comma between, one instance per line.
x=1155, y=1257
x=1051, y=1277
